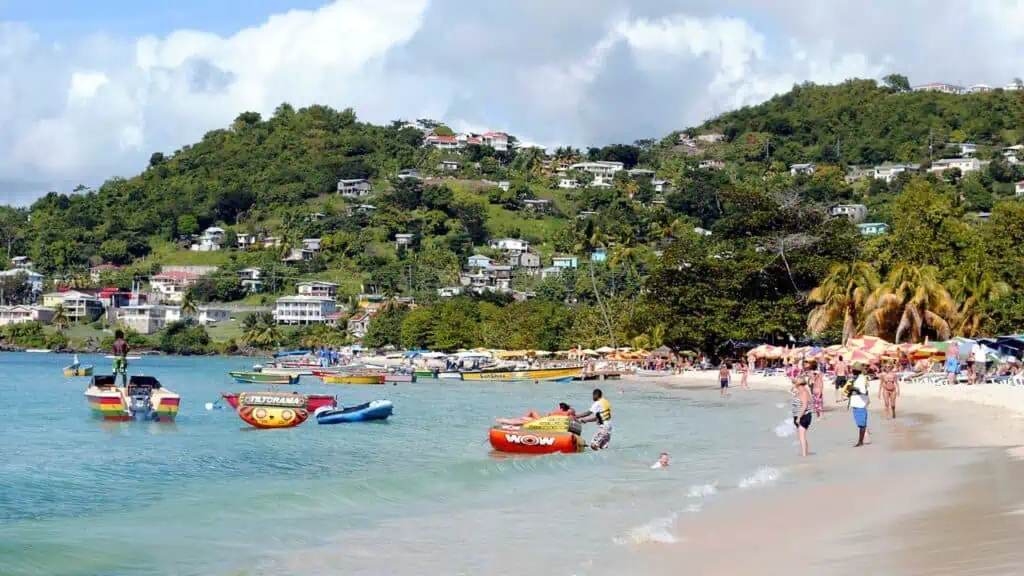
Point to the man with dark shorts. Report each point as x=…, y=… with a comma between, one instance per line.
x=842, y=373
x=120, y=352
x=723, y=378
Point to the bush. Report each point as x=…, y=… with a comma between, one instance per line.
x=184, y=338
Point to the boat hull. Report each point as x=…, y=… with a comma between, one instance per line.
x=376, y=410
x=110, y=405
x=518, y=441
x=404, y=378
x=313, y=401
x=449, y=375
x=264, y=378
x=266, y=410
x=542, y=374
x=70, y=372
x=367, y=379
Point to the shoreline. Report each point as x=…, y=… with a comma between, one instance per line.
x=941, y=475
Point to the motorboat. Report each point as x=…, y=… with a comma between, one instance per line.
x=513, y=374
x=353, y=378
x=77, y=371
x=143, y=399
x=262, y=377
x=313, y=401
x=272, y=409
x=375, y=410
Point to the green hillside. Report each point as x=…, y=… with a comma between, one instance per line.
x=941, y=268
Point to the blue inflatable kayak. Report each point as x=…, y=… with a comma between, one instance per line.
x=376, y=410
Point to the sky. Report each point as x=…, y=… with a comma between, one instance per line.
x=88, y=90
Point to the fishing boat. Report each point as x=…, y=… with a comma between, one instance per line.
x=261, y=377
x=39, y=350
x=536, y=374
x=425, y=374
x=313, y=401
x=449, y=375
x=375, y=410
x=401, y=375
x=76, y=371
x=353, y=378
x=546, y=435
x=143, y=399
x=272, y=409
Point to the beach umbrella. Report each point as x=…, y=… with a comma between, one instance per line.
x=589, y=352
x=605, y=349
x=927, y=352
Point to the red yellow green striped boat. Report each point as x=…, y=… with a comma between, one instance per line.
x=144, y=399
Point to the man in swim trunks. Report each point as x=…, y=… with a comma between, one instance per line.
x=860, y=398
x=600, y=412
x=662, y=462
x=723, y=378
x=120, y=351
x=842, y=373
x=889, y=390
x=952, y=362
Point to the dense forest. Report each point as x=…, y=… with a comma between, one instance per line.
x=776, y=265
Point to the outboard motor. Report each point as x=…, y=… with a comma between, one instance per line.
x=140, y=397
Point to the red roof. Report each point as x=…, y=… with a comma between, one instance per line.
x=474, y=140
x=335, y=315
x=496, y=135
x=444, y=139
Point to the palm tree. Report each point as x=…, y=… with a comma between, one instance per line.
x=189, y=308
x=842, y=296
x=974, y=292
x=260, y=330
x=60, y=318
x=595, y=239
x=910, y=300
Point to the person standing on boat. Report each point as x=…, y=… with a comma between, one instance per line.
x=600, y=412
x=120, y=351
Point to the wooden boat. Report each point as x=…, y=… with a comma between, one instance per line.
x=144, y=399
x=313, y=401
x=539, y=374
x=260, y=377
x=424, y=374
x=75, y=371
x=353, y=378
x=272, y=409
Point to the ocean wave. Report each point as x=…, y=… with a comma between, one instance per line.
x=656, y=531
x=785, y=428
x=764, y=476
x=703, y=490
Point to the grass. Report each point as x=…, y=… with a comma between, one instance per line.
x=168, y=254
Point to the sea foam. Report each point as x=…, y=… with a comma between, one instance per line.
x=764, y=476
x=657, y=531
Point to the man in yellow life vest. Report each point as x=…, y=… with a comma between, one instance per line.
x=600, y=412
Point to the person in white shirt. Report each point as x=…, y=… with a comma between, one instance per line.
x=859, y=401
x=978, y=357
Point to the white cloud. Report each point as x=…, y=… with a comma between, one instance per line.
x=572, y=72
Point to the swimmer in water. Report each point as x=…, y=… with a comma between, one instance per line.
x=662, y=462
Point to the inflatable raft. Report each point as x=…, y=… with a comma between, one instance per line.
x=272, y=409
x=547, y=435
x=376, y=410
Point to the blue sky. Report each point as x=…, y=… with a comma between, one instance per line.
x=60, y=19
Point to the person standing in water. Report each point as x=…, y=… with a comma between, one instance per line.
x=817, y=389
x=723, y=378
x=744, y=375
x=859, y=401
x=600, y=412
x=801, y=405
x=889, y=390
x=120, y=351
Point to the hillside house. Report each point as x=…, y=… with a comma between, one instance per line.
x=939, y=87
x=599, y=255
x=244, y=240
x=478, y=261
x=528, y=260
x=404, y=239
x=296, y=255
x=442, y=142
x=711, y=138
x=407, y=173
x=805, y=169
x=490, y=279
x=449, y=165
x=565, y=261
x=21, y=263
x=449, y=291
x=354, y=187
x=504, y=185
x=170, y=286
x=855, y=212
x=890, y=172
x=23, y=314
x=359, y=323
x=1011, y=153
x=603, y=171
x=1019, y=187
x=509, y=244
x=302, y=310
x=210, y=240
x=147, y=319
x=964, y=164
x=79, y=306
x=311, y=244
x=33, y=279
x=538, y=205
x=967, y=149
x=873, y=228
x=318, y=288
x=496, y=140
x=711, y=165
x=252, y=279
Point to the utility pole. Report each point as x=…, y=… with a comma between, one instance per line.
x=931, y=143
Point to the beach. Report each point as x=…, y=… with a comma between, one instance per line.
x=936, y=492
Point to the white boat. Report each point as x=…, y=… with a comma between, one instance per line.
x=39, y=350
x=449, y=375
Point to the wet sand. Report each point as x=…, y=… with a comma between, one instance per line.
x=938, y=492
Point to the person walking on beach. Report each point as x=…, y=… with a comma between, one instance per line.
x=859, y=400
x=889, y=390
x=842, y=373
x=744, y=375
x=120, y=352
x=817, y=390
x=723, y=378
x=801, y=404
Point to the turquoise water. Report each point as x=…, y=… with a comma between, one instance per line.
x=421, y=493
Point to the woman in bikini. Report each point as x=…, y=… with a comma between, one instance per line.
x=889, y=390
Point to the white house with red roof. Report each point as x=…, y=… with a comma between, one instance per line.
x=496, y=140
x=442, y=142
x=170, y=286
